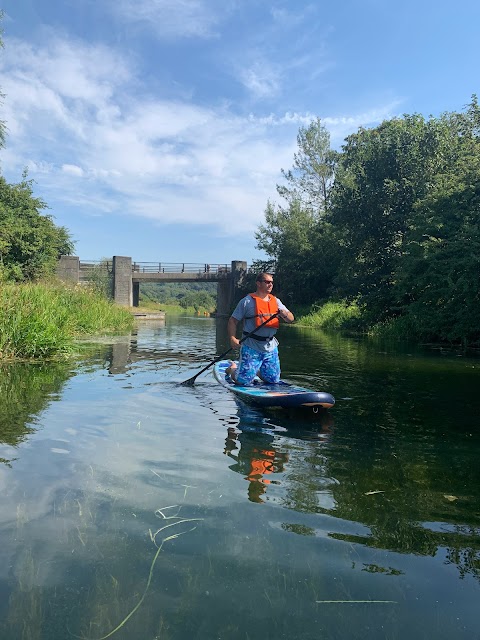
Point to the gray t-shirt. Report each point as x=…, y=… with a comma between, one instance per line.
x=245, y=310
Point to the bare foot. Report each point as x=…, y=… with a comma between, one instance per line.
x=230, y=370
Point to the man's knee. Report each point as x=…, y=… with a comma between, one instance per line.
x=243, y=379
x=270, y=370
x=270, y=379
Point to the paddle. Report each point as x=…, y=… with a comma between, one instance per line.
x=191, y=381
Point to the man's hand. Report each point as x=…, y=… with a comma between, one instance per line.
x=234, y=342
x=231, y=330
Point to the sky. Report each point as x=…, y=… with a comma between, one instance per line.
x=158, y=129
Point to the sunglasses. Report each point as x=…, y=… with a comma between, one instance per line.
x=268, y=281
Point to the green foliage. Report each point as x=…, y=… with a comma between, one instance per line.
x=303, y=249
x=192, y=295
x=332, y=315
x=42, y=320
x=382, y=172
x=101, y=278
x=25, y=391
x=398, y=231
x=298, y=238
x=30, y=243
x=310, y=179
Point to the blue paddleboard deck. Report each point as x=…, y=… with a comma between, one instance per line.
x=282, y=394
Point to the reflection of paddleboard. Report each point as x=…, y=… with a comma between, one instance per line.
x=273, y=395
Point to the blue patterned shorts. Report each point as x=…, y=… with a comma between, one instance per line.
x=266, y=364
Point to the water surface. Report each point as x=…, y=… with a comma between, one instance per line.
x=362, y=522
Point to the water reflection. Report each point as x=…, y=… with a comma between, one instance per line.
x=374, y=500
x=25, y=391
x=390, y=484
x=255, y=458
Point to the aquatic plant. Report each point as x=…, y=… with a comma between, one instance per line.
x=176, y=520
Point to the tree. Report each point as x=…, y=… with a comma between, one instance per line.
x=437, y=286
x=303, y=251
x=310, y=179
x=297, y=237
x=382, y=173
x=30, y=243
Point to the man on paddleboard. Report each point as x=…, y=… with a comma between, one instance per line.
x=259, y=352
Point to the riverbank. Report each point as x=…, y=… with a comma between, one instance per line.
x=43, y=320
x=331, y=315
x=350, y=317
x=172, y=309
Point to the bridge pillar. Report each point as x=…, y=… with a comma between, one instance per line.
x=224, y=305
x=229, y=290
x=68, y=269
x=136, y=294
x=122, y=281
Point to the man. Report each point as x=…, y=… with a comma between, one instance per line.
x=259, y=352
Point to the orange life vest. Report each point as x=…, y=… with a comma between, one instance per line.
x=264, y=309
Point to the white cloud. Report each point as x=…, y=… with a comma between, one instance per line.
x=97, y=141
x=72, y=169
x=173, y=18
x=261, y=79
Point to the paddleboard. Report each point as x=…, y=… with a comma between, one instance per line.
x=281, y=394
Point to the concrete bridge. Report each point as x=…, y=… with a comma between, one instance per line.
x=126, y=277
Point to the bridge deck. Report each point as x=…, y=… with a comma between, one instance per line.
x=138, y=276
x=161, y=271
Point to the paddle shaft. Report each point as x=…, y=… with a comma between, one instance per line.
x=191, y=380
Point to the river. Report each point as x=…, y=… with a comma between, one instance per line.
x=136, y=508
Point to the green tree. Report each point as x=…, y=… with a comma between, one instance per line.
x=382, y=173
x=296, y=237
x=310, y=179
x=437, y=285
x=30, y=243
x=302, y=251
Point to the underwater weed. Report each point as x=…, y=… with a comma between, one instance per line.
x=159, y=513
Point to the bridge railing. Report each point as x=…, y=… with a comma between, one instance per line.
x=180, y=267
x=90, y=268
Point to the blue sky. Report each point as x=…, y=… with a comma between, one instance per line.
x=158, y=128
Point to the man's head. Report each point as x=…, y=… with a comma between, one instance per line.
x=264, y=282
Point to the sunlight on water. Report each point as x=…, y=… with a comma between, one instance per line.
x=134, y=507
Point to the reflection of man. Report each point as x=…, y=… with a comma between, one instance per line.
x=256, y=458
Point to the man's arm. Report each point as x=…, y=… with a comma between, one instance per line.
x=287, y=315
x=284, y=313
x=231, y=331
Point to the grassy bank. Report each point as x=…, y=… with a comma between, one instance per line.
x=43, y=320
x=331, y=315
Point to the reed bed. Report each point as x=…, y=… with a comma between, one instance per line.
x=42, y=320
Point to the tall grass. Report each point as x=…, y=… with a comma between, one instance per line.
x=401, y=328
x=331, y=315
x=42, y=320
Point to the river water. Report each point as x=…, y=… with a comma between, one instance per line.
x=136, y=508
